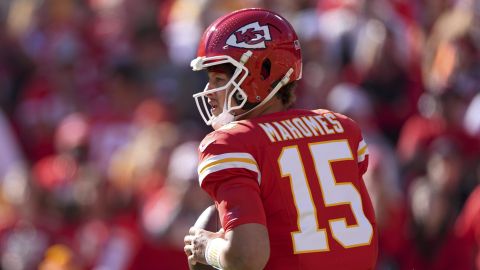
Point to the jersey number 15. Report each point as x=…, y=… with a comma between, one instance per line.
x=309, y=237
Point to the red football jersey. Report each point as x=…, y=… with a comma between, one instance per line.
x=306, y=167
x=467, y=227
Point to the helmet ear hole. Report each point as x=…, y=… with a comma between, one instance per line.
x=239, y=96
x=266, y=67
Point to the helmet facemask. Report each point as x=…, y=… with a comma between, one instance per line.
x=265, y=52
x=235, y=94
x=235, y=97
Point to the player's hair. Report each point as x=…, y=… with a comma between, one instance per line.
x=287, y=95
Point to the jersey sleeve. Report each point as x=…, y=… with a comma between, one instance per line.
x=357, y=142
x=230, y=175
x=362, y=156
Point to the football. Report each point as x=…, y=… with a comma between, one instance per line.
x=208, y=219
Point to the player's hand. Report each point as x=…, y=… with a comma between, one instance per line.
x=196, y=243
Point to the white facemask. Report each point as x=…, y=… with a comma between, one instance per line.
x=234, y=83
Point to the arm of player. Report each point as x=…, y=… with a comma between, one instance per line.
x=248, y=247
x=196, y=242
x=244, y=247
x=245, y=244
x=208, y=220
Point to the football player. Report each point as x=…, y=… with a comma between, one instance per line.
x=287, y=183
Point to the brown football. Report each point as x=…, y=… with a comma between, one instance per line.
x=208, y=220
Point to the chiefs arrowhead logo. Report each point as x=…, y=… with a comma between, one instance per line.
x=250, y=36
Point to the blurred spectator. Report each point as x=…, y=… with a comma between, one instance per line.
x=391, y=87
x=58, y=257
x=13, y=166
x=449, y=52
x=15, y=68
x=471, y=122
x=65, y=187
x=112, y=113
x=431, y=242
x=440, y=116
x=22, y=246
x=467, y=226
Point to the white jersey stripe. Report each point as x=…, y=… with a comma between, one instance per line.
x=362, y=151
x=228, y=165
x=238, y=155
x=227, y=161
x=362, y=144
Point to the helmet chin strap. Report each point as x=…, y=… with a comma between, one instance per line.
x=277, y=87
x=222, y=119
x=226, y=116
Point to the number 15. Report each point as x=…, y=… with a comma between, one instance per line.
x=309, y=237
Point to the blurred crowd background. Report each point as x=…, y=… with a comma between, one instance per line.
x=98, y=129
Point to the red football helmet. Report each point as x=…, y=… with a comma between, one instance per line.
x=263, y=48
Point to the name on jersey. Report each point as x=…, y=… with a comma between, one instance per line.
x=301, y=127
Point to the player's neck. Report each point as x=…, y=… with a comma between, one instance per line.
x=272, y=106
